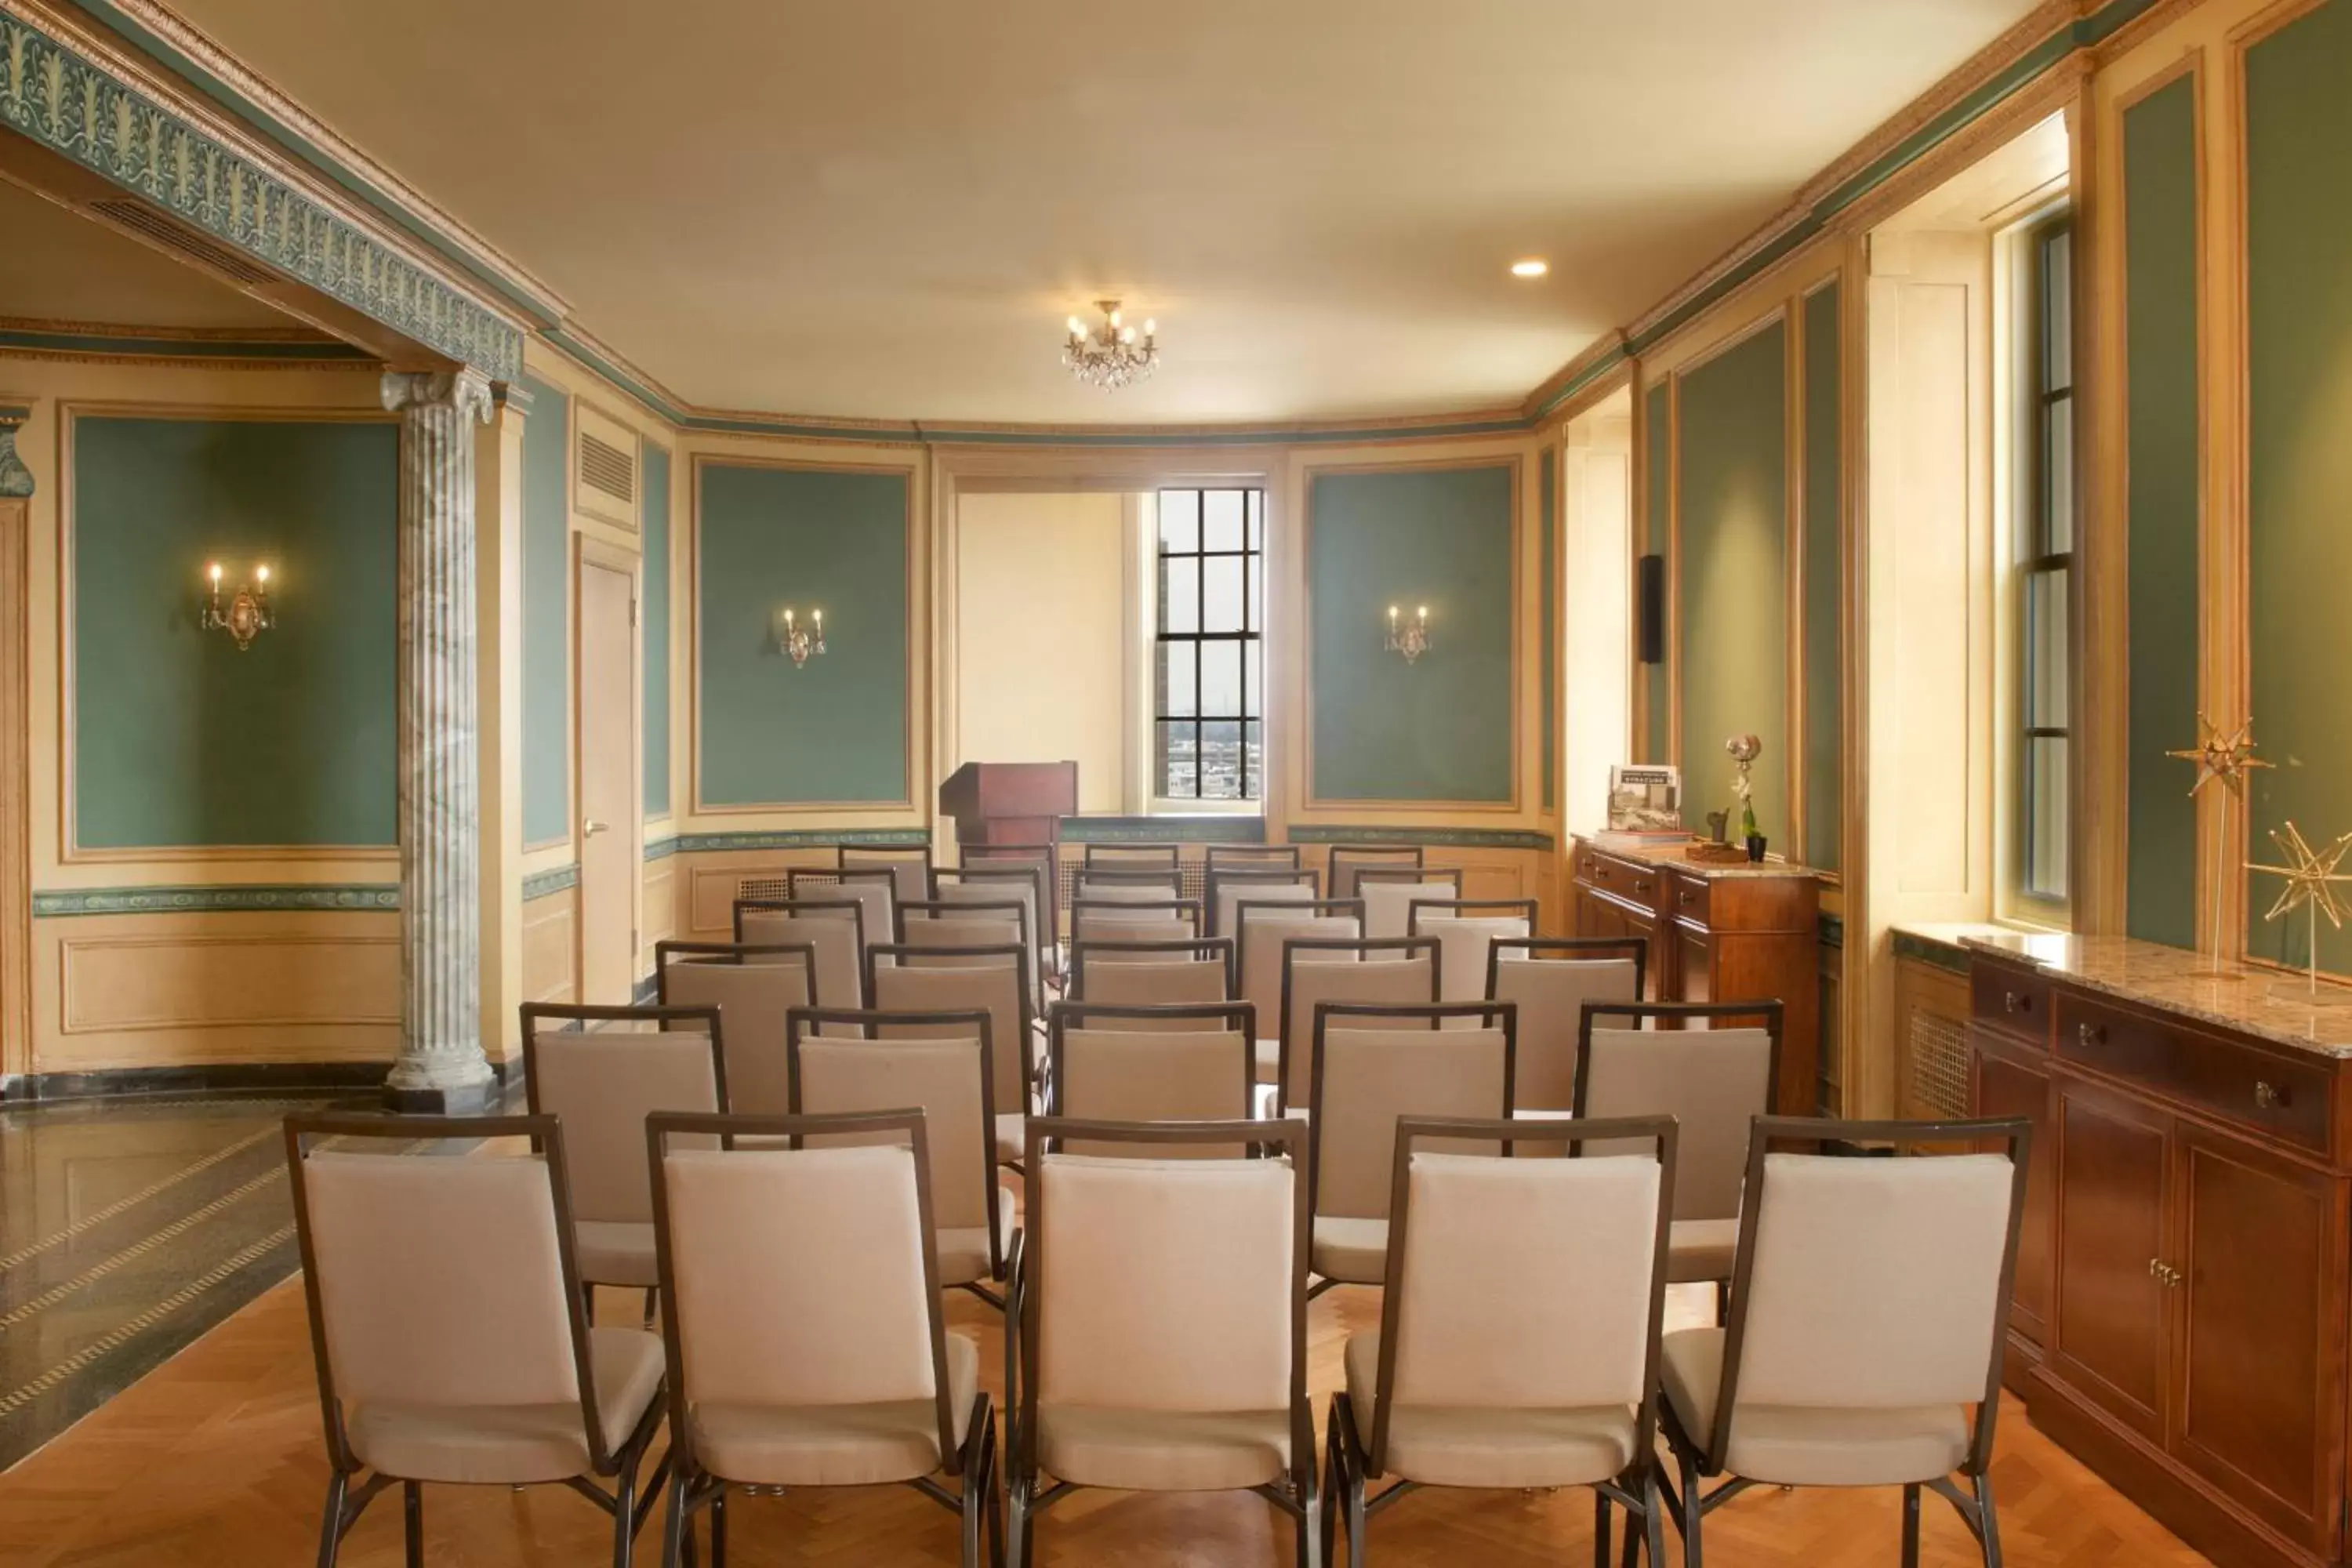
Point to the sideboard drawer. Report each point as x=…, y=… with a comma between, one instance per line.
x=2269, y=1095
x=1687, y=897
x=2013, y=1000
x=1628, y=882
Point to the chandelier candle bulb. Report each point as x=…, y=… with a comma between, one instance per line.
x=1110, y=355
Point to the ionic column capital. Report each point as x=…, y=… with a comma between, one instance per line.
x=466, y=390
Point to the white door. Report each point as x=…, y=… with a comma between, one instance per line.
x=610, y=771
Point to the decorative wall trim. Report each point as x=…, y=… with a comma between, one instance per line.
x=245, y=899
x=1441, y=838
x=661, y=848
x=16, y=479
x=1235, y=829
x=1942, y=955
x=82, y=110
x=105, y=341
x=204, y=1077
x=555, y=879
x=798, y=838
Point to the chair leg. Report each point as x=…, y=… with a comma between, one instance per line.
x=992, y=1498
x=1631, y=1551
x=1911, y=1526
x=331, y=1532
x=1601, y=1529
x=1654, y=1520
x=718, y=1526
x=1989, y=1520
x=1329, y=1504
x=674, y=1524
x=412, y=1509
x=624, y=1513
x=1692, y=1515
x=1359, y=1550
x=1017, y=1545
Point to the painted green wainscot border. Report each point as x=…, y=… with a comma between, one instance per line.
x=366, y=896
x=1163, y=830
x=554, y=880
x=1439, y=837
x=661, y=848
x=73, y=107
x=1926, y=949
x=801, y=839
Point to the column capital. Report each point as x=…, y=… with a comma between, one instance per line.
x=16, y=479
x=467, y=391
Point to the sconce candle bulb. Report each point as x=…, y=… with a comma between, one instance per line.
x=1411, y=639
x=244, y=617
x=799, y=642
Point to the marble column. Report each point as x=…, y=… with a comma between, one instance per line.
x=15, y=753
x=441, y=1065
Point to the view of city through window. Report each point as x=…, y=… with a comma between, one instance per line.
x=1209, y=704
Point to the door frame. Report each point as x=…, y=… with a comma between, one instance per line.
x=595, y=552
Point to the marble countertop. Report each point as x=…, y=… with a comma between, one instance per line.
x=1674, y=854
x=2270, y=1004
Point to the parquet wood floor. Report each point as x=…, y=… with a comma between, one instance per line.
x=216, y=1459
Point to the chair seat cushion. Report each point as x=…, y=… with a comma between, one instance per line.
x=1700, y=1249
x=963, y=1253
x=1352, y=1251
x=514, y=1444
x=613, y=1253
x=1442, y=1446
x=1807, y=1446
x=1267, y=1054
x=835, y=1444
x=1162, y=1450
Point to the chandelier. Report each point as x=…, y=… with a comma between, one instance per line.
x=1109, y=356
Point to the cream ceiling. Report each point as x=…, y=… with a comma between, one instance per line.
x=885, y=208
x=57, y=265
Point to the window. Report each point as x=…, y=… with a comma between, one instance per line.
x=2045, y=561
x=1208, y=679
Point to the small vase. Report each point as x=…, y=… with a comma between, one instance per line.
x=1756, y=847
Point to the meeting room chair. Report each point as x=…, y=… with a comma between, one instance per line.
x=1551, y=979
x=1099, y=920
x=1106, y=1385
x=918, y=979
x=818, y=1357
x=1125, y=887
x=1869, y=1310
x=1195, y=971
x=1465, y=928
x=834, y=929
x=1400, y=972
x=1042, y=861
x=910, y=866
x=973, y=923
x=1130, y=856
x=874, y=887
x=1389, y=894
x=1347, y=859
x=984, y=884
x=1518, y=1340
x=449, y=1325
x=1222, y=889
x=1373, y=1064
x=1251, y=858
x=1182, y=1062
x=753, y=986
x=1714, y=1081
x=870, y=1061
x=1260, y=931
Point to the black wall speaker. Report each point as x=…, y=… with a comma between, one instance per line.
x=1653, y=609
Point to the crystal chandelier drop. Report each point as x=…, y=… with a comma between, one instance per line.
x=1110, y=355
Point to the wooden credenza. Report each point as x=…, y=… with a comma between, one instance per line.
x=1716, y=933
x=2183, y=1311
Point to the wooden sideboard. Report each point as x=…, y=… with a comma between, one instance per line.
x=1716, y=933
x=2183, y=1311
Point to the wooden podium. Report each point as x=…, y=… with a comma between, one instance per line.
x=1010, y=803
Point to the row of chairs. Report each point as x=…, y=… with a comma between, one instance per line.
x=1156, y=1321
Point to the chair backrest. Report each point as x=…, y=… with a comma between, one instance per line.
x=1251, y=858
x=1222, y=888
x=440, y=1283
x=1713, y=1082
x=915, y=979
x=1465, y=928
x=601, y=1071
x=1002, y=922
x=1347, y=859
x=868, y=1061
x=1389, y=894
x=1552, y=979
x=1128, y=887
x=1116, y=920
x=1518, y=1284
x=1153, y=975
x=910, y=866
x=1115, y=1063
x=874, y=887
x=1259, y=931
x=994, y=885
x=1399, y=971
x=1403, y=1061
x=1164, y=1285
x=798, y=1276
x=1130, y=856
x=1043, y=861
x=752, y=987
x=834, y=928
x=1868, y=1282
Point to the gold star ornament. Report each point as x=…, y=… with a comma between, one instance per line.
x=2223, y=757
x=2311, y=880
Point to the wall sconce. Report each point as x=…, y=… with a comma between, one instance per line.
x=244, y=617
x=797, y=640
x=1410, y=638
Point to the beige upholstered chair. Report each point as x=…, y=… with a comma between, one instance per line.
x=974, y=923
x=450, y=1326
x=1373, y=1064
x=1389, y=894
x=601, y=1071
x=960, y=980
x=1519, y=1337
x=1251, y=858
x=874, y=887
x=1199, y=971
x=752, y=987
x=1223, y=889
x=910, y=866
x=1180, y=1063
x=1125, y=887
x=834, y=928
x=1465, y=928
x=1400, y=972
x=1097, y=920
x=992, y=885
x=1714, y=1083
x=1130, y=857
x=1870, y=1306
x=1260, y=932
x=1347, y=859
x=1551, y=979
x=1156, y=1335
x=804, y=1320
x=1042, y=861
x=866, y=1062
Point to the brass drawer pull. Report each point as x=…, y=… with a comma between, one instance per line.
x=2091, y=1034
x=2164, y=1273
x=1689, y=896
x=2270, y=1097
x=1640, y=887
x=2016, y=1001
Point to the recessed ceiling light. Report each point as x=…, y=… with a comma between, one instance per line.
x=1532, y=267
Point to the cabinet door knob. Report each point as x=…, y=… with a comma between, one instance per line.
x=590, y=827
x=2270, y=1095
x=2091, y=1034
x=2015, y=1002
x=1640, y=887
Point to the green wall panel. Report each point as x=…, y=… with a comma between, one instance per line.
x=2299, y=298
x=1657, y=426
x=1439, y=729
x=1548, y=684
x=180, y=740
x=1824, y=556
x=656, y=630
x=836, y=729
x=546, y=601
x=2161, y=483
x=1733, y=658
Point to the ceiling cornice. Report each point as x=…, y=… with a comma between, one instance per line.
x=247, y=348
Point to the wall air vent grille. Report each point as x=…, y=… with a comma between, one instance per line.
x=1940, y=1063
x=172, y=236
x=607, y=469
